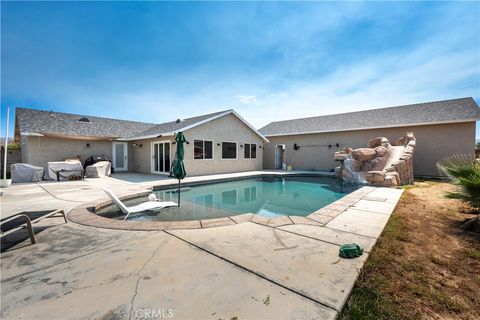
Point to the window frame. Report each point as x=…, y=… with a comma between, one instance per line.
x=203, y=143
x=250, y=146
x=236, y=150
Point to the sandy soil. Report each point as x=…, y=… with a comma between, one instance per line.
x=445, y=258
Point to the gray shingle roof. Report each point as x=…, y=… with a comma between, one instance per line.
x=46, y=122
x=455, y=110
x=173, y=126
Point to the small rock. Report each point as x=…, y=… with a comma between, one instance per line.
x=375, y=176
x=381, y=151
x=363, y=154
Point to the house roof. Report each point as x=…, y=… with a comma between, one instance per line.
x=446, y=111
x=39, y=122
x=172, y=126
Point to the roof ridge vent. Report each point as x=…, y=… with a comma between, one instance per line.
x=84, y=119
x=178, y=121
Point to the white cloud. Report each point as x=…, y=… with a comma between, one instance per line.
x=246, y=99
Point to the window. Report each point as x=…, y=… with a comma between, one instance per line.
x=229, y=150
x=250, y=194
x=202, y=149
x=250, y=151
x=229, y=197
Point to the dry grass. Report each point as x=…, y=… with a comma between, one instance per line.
x=424, y=265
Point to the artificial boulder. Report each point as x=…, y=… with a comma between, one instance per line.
x=363, y=154
x=381, y=164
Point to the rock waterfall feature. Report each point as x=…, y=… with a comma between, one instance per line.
x=381, y=164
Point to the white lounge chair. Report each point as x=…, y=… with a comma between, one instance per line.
x=148, y=205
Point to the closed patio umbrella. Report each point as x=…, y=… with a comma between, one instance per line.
x=178, y=168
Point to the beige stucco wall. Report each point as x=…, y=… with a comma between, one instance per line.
x=434, y=142
x=39, y=151
x=228, y=128
x=141, y=156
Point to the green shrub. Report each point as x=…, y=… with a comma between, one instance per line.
x=464, y=171
x=14, y=146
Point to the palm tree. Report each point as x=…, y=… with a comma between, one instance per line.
x=464, y=171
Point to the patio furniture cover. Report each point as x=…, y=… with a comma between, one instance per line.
x=23, y=172
x=55, y=166
x=99, y=170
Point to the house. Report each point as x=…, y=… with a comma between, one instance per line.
x=218, y=142
x=442, y=128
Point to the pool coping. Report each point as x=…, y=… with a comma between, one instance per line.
x=85, y=214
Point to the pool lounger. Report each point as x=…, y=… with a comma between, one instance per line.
x=148, y=205
x=14, y=222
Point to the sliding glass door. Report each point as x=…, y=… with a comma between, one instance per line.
x=161, y=157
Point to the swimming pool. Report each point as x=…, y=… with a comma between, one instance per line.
x=266, y=196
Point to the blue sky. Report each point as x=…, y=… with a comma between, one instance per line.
x=269, y=61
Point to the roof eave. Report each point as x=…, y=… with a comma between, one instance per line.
x=222, y=115
x=196, y=124
x=369, y=128
x=152, y=136
x=31, y=134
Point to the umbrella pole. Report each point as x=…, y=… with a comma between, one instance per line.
x=178, y=193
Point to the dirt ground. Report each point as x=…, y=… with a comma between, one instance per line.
x=424, y=265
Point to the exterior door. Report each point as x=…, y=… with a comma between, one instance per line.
x=120, y=156
x=161, y=157
x=279, y=156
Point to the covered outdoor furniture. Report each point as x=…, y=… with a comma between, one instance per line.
x=148, y=205
x=64, y=169
x=99, y=170
x=27, y=219
x=94, y=159
x=23, y=172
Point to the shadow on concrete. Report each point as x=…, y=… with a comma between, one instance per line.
x=134, y=177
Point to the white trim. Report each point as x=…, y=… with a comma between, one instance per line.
x=221, y=115
x=256, y=147
x=368, y=128
x=236, y=148
x=250, y=126
x=32, y=134
x=196, y=124
x=153, y=136
x=125, y=156
x=213, y=149
x=152, y=163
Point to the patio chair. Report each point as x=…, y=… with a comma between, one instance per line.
x=148, y=205
x=27, y=219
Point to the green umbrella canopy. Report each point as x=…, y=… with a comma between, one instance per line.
x=179, y=168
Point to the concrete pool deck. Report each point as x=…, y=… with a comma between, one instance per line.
x=253, y=269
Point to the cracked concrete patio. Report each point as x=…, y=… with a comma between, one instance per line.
x=247, y=270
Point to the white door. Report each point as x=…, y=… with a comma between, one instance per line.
x=161, y=157
x=120, y=156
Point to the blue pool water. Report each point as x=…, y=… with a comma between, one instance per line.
x=268, y=197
